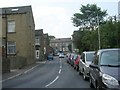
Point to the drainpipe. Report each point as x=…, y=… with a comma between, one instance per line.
x=6, y=31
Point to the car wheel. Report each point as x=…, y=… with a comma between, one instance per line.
x=90, y=82
x=77, y=68
x=80, y=72
x=98, y=87
x=74, y=67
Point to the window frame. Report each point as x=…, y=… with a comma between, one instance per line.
x=10, y=27
x=12, y=46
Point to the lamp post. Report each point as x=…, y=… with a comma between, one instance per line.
x=98, y=30
x=98, y=27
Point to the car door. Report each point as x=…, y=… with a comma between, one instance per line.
x=82, y=62
x=94, y=72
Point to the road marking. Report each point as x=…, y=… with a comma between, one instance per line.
x=60, y=67
x=59, y=71
x=41, y=62
x=52, y=81
x=30, y=69
x=11, y=77
x=19, y=74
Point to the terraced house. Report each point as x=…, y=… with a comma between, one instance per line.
x=18, y=34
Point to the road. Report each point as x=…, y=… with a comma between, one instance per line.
x=52, y=74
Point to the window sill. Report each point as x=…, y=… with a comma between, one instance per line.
x=11, y=32
x=11, y=54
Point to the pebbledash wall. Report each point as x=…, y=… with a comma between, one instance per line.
x=23, y=37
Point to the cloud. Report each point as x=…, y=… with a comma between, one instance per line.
x=54, y=20
x=54, y=16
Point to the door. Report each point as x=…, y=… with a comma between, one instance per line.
x=37, y=54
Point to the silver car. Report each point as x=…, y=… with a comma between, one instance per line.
x=85, y=60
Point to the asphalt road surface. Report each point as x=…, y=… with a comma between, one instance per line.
x=52, y=74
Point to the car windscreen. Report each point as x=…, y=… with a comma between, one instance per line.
x=89, y=56
x=111, y=57
x=75, y=57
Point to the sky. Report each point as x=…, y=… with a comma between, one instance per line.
x=54, y=16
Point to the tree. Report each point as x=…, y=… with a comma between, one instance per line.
x=70, y=47
x=88, y=16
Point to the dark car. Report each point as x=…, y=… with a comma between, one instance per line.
x=105, y=69
x=61, y=55
x=50, y=57
x=70, y=57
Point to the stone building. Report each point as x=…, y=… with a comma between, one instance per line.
x=46, y=45
x=18, y=34
x=39, y=44
x=61, y=44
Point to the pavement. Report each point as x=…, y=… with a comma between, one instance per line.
x=17, y=72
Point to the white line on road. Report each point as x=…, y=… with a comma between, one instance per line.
x=59, y=71
x=19, y=74
x=60, y=67
x=11, y=77
x=30, y=69
x=52, y=81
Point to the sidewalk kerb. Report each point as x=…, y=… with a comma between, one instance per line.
x=24, y=72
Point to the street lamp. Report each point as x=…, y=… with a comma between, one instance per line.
x=98, y=30
x=98, y=27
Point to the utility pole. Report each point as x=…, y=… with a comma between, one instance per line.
x=98, y=30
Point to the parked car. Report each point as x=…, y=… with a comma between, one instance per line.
x=50, y=57
x=73, y=59
x=61, y=55
x=70, y=57
x=85, y=60
x=105, y=69
x=76, y=63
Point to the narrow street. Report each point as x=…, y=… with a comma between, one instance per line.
x=52, y=74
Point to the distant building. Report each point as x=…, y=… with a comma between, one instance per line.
x=119, y=10
x=39, y=44
x=18, y=35
x=46, y=45
x=61, y=44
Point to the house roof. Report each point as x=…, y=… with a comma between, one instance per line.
x=61, y=40
x=38, y=32
x=16, y=10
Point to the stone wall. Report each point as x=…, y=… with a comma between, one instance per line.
x=5, y=65
x=17, y=62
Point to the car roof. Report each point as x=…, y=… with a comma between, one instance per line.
x=103, y=50
x=89, y=52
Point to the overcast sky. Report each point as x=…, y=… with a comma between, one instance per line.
x=54, y=16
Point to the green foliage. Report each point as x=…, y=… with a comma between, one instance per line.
x=87, y=38
x=70, y=47
x=89, y=16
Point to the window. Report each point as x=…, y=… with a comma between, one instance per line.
x=56, y=44
x=110, y=57
x=11, y=26
x=89, y=56
x=11, y=47
x=37, y=41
